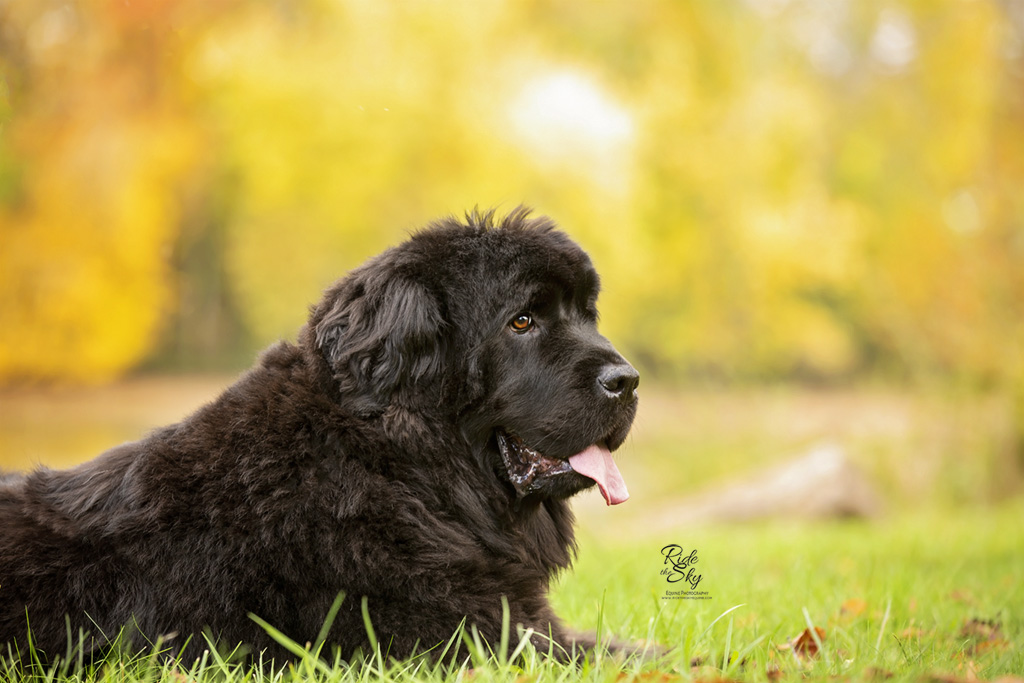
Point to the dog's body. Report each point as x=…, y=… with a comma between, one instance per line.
x=384, y=455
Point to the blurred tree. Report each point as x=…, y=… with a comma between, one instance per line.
x=94, y=145
x=769, y=188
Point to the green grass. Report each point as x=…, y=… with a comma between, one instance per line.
x=911, y=586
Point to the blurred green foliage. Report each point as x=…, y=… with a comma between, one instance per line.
x=770, y=188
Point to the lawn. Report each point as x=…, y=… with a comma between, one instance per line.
x=930, y=590
x=922, y=595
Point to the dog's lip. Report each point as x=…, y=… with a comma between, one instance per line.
x=525, y=466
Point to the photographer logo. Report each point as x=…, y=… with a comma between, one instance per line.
x=680, y=571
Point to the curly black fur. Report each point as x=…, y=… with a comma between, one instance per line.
x=361, y=459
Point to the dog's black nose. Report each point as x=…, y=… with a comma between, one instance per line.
x=619, y=381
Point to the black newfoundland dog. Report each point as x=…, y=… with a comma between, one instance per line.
x=415, y=448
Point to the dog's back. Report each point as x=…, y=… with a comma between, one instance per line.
x=55, y=556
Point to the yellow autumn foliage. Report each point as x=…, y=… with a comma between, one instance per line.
x=768, y=189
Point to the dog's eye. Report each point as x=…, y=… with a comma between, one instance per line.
x=521, y=323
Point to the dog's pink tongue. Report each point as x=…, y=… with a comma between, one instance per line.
x=596, y=462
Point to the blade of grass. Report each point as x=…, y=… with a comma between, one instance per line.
x=453, y=641
x=332, y=614
x=287, y=643
x=742, y=655
x=728, y=647
x=503, y=644
x=372, y=635
x=814, y=634
x=524, y=642
x=719, y=617
x=881, y=630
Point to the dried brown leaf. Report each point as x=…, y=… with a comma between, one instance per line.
x=852, y=607
x=981, y=629
x=970, y=669
x=649, y=677
x=988, y=646
x=911, y=632
x=705, y=673
x=985, y=635
x=964, y=596
x=942, y=678
x=877, y=674
x=805, y=645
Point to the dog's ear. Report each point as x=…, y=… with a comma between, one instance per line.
x=382, y=337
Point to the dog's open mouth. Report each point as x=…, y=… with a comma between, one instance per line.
x=528, y=469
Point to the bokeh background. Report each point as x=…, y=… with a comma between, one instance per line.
x=808, y=214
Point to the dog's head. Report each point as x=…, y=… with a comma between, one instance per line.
x=494, y=328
